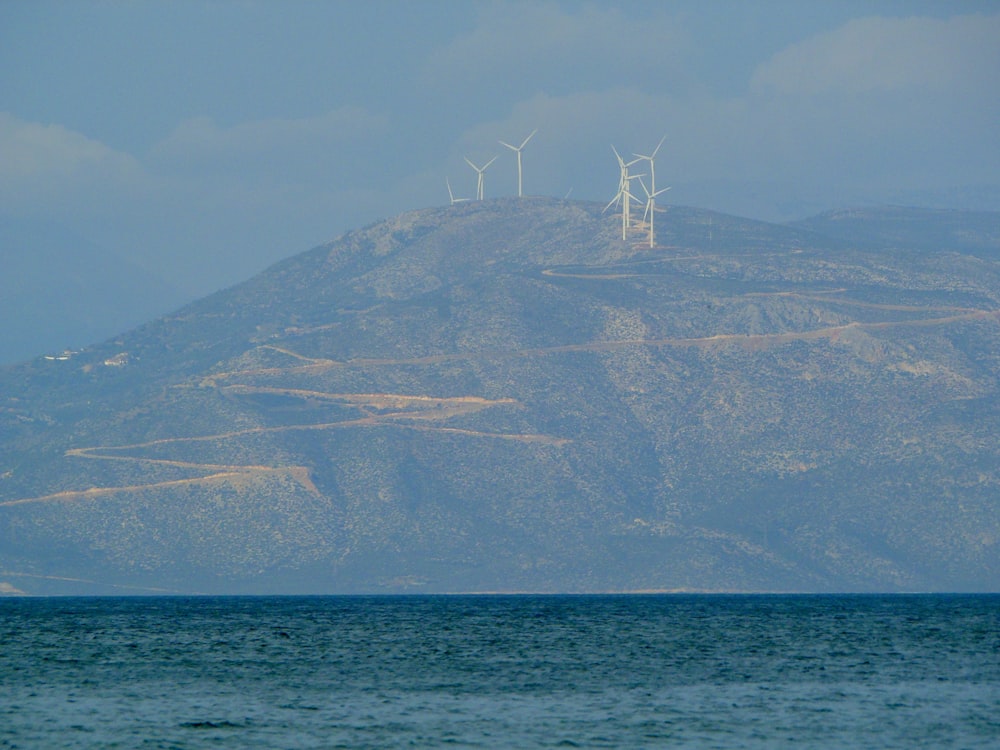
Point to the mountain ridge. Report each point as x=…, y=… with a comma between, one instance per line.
x=506, y=396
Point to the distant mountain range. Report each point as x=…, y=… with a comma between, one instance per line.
x=506, y=396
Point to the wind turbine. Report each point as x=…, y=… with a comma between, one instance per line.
x=479, y=172
x=624, y=195
x=627, y=199
x=652, y=167
x=517, y=150
x=621, y=179
x=651, y=207
x=652, y=192
x=451, y=195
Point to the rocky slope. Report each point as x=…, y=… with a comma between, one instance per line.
x=505, y=396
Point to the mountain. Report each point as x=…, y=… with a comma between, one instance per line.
x=912, y=230
x=60, y=291
x=506, y=396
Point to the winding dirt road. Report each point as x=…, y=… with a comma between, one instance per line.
x=429, y=413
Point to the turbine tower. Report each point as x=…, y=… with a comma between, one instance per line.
x=479, y=173
x=624, y=195
x=651, y=208
x=652, y=192
x=451, y=195
x=627, y=199
x=517, y=150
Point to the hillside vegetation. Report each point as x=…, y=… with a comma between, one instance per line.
x=505, y=396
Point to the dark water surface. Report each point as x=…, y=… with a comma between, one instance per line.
x=521, y=671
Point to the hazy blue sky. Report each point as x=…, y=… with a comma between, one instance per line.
x=205, y=140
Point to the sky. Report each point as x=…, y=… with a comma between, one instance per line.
x=203, y=141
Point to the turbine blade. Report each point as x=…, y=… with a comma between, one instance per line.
x=658, y=145
x=489, y=162
x=512, y=148
x=525, y=141
x=650, y=157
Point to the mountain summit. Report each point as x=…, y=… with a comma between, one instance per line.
x=506, y=396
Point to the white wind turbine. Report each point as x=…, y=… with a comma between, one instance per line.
x=627, y=199
x=517, y=150
x=652, y=166
x=652, y=192
x=651, y=208
x=621, y=179
x=451, y=195
x=479, y=173
x=624, y=195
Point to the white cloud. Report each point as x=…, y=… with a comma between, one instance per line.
x=843, y=143
x=533, y=47
x=888, y=54
x=275, y=148
x=41, y=163
x=877, y=104
x=209, y=204
x=885, y=104
x=202, y=136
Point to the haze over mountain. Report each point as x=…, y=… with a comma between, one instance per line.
x=58, y=291
x=204, y=141
x=506, y=396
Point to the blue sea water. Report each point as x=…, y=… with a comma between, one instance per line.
x=501, y=671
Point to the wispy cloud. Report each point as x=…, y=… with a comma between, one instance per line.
x=280, y=149
x=888, y=54
x=42, y=163
x=540, y=47
x=875, y=103
x=855, y=109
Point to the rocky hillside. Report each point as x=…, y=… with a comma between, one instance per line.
x=506, y=396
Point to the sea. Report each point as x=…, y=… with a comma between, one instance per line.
x=629, y=671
